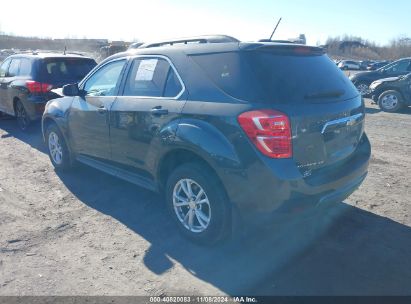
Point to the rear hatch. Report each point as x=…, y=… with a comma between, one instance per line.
x=55, y=72
x=59, y=71
x=325, y=110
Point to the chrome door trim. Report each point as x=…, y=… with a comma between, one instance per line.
x=183, y=87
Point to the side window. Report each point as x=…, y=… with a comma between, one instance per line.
x=4, y=67
x=105, y=80
x=14, y=68
x=152, y=77
x=25, y=67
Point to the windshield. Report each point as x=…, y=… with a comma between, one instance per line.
x=385, y=65
x=265, y=76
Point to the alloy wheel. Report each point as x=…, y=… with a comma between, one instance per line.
x=55, y=148
x=191, y=205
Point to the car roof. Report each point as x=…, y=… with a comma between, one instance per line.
x=42, y=55
x=205, y=48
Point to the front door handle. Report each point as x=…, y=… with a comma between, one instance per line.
x=102, y=109
x=158, y=111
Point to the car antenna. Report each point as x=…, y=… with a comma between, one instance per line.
x=272, y=34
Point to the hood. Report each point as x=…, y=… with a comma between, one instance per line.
x=388, y=79
x=366, y=74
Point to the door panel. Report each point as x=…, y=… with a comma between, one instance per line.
x=3, y=86
x=89, y=114
x=89, y=126
x=6, y=94
x=141, y=121
x=138, y=127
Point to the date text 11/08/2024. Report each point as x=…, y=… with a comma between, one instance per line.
x=202, y=299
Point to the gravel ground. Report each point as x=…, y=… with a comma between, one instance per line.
x=86, y=233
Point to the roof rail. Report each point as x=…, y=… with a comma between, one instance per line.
x=36, y=52
x=76, y=53
x=198, y=39
x=276, y=41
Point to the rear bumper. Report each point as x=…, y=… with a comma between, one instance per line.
x=34, y=106
x=278, y=185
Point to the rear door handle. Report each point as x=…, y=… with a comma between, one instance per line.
x=158, y=111
x=102, y=109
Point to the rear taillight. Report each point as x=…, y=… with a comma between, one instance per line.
x=38, y=87
x=269, y=130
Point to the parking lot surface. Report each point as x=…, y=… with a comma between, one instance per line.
x=86, y=233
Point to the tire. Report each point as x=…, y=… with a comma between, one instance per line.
x=363, y=88
x=57, y=148
x=390, y=101
x=23, y=120
x=210, y=219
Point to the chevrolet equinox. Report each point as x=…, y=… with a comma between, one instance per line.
x=221, y=127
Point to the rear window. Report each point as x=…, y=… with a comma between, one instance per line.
x=265, y=76
x=65, y=70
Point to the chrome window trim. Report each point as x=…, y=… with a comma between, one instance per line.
x=183, y=87
x=348, y=121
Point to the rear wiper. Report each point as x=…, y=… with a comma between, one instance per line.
x=327, y=94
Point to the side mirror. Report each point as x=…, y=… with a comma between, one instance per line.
x=71, y=90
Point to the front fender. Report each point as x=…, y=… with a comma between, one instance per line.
x=56, y=110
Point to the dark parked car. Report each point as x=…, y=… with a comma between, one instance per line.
x=365, y=63
x=363, y=80
x=225, y=129
x=392, y=94
x=26, y=81
x=376, y=65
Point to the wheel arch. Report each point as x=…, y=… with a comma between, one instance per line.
x=46, y=122
x=180, y=156
x=391, y=89
x=177, y=157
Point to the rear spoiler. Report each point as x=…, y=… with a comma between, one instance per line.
x=297, y=49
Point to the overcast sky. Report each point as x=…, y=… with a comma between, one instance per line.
x=376, y=20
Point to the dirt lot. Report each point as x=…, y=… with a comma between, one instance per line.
x=86, y=233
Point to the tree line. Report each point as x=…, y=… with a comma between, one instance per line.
x=352, y=47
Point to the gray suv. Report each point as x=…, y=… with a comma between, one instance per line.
x=224, y=129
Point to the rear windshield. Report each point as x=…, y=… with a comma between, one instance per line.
x=65, y=70
x=265, y=76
